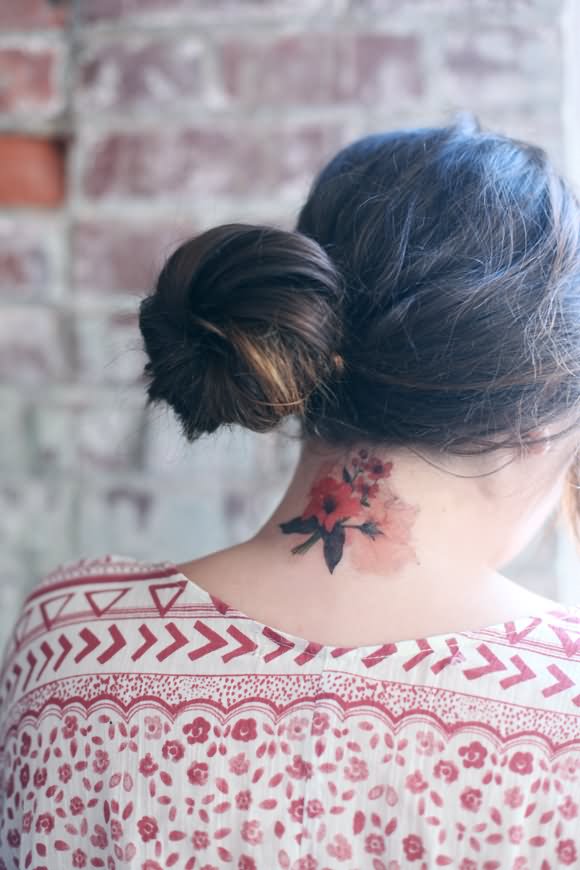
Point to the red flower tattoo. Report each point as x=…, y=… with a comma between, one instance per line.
x=331, y=501
x=377, y=469
x=334, y=502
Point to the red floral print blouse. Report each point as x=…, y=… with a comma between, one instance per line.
x=146, y=724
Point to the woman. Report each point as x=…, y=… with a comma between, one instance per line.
x=357, y=685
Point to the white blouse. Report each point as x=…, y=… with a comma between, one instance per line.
x=146, y=724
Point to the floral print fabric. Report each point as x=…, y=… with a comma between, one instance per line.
x=145, y=724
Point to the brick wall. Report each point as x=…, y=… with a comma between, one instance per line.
x=125, y=124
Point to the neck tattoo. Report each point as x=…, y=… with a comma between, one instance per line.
x=351, y=499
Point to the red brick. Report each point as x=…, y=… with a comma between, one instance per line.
x=72, y=433
x=147, y=164
x=15, y=454
x=472, y=56
x=33, y=14
x=119, y=516
x=109, y=438
x=292, y=69
x=499, y=66
x=53, y=427
x=184, y=163
x=31, y=345
x=26, y=269
x=97, y=10
x=309, y=69
x=118, y=257
x=297, y=153
x=28, y=80
x=108, y=348
x=395, y=9
x=162, y=10
x=31, y=171
x=37, y=517
x=387, y=70
x=126, y=74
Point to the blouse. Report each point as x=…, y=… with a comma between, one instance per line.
x=147, y=724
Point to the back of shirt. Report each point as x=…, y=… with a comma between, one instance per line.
x=145, y=723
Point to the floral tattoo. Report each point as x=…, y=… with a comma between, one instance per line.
x=334, y=502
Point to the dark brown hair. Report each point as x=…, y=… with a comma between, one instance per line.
x=429, y=295
x=241, y=328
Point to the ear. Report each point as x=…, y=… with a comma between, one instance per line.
x=538, y=442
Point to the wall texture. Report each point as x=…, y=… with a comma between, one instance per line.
x=125, y=124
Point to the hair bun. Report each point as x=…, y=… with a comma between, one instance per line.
x=242, y=327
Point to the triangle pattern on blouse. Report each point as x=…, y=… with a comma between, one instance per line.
x=102, y=600
x=165, y=595
x=53, y=607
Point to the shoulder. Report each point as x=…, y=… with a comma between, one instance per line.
x=89, y=588
x=551, y=630
x=539, y=654
x=563, y=616
x=101, y=569
x=83, y=581
x=563, y=628
x=81, y=616
x=80, y=591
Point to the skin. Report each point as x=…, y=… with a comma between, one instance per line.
x=449, y=523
